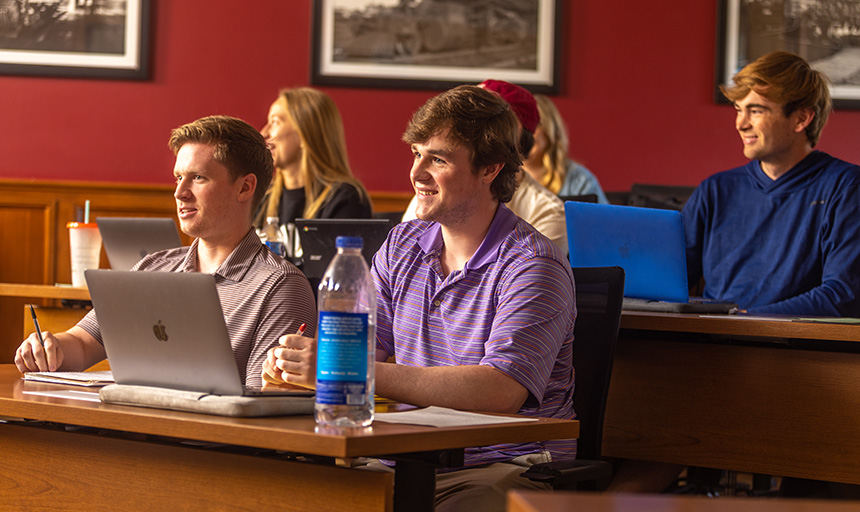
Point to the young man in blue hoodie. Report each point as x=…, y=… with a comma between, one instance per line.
x=782, y=233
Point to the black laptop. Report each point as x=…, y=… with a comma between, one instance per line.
x=318, y=238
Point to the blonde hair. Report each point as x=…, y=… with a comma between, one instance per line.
x=324, y=163
x=555, y=157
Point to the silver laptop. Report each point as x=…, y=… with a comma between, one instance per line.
x=128, y=239
x=167, y=330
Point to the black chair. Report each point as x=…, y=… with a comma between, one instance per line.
x=583, y=198
x=666, y=197
x=599, y=293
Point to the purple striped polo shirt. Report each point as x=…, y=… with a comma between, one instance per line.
x=512, y=307
x=263, y=298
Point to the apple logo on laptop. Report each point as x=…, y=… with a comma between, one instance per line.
x=160, y=331
x=624, y=251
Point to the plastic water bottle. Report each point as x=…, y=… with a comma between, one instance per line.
x=346, y=339
x=273, y=237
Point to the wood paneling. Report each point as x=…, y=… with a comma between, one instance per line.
x=35, y=241
x=390, y=201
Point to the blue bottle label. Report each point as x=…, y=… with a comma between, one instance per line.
x=342, y=358
x=276, y=247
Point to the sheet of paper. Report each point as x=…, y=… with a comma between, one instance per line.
x=444, y=417
x=100, y=378
x=750, y=317
x=70, y=394
x=830, y=320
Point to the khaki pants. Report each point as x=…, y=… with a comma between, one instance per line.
x=483, y=488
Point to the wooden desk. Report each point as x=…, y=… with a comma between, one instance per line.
x=43, y=291
x=760, y=396
x=42, y=467
x=531, y=501
x=13, y=296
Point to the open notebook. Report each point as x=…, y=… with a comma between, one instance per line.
x=648, y=243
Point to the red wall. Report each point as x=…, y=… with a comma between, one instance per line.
x=636, y=92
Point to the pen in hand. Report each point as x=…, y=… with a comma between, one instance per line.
x=38, y=329
x=268, y=378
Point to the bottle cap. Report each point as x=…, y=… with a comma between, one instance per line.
x=349, y=242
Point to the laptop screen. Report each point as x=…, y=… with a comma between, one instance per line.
x=647, y=243
x=128, y=239
x=318, y=238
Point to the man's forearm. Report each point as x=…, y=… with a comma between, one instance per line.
x=80, y=349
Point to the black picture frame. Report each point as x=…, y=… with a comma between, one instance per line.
x=423, y=44
x=824, y=32
x=76, y=38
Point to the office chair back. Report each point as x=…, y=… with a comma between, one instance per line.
x=666, y=197
x=582, y=198
x=599, y=293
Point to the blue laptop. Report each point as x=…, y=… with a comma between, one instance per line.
x=648, y=243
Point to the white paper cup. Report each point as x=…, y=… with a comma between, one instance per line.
x=85, y=243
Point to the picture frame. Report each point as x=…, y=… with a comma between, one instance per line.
x=824, y=32
x=436, y=44
x=75, y=38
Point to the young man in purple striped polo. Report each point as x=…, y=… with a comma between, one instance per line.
x=474, y=304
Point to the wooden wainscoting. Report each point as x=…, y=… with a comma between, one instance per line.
x=35, y=241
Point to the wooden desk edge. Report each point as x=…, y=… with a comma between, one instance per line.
x=43, y=291
x=729, y=325
x=267, y=433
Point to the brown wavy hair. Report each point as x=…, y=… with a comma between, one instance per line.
x=787, y=79
x=479, y=120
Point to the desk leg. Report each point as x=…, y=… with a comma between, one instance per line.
x=414, y=486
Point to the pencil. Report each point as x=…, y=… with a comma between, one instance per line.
x=39, y=329
x=268, y=378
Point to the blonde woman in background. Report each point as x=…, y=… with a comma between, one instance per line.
x=549, y=162
x=312, y=177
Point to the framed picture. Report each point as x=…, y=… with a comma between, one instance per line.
x=436, y=44
x=824, y=32
x=75, y=38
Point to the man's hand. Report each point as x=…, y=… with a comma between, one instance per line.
x=31, y=357
x=292, y=364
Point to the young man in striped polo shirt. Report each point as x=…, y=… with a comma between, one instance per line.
x=475, y=305
x=222, y=169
